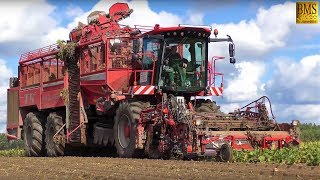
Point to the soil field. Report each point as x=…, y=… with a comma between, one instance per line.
x=115, y=168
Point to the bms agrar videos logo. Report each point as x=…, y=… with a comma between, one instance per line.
x=307, y=12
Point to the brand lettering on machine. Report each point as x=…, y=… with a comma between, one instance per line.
x=307, y=12
x=29, y=98
x=51, y=97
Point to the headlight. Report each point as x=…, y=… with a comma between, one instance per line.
x=295, y=122
x=197, y=122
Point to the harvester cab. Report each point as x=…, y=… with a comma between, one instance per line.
x=181, y=53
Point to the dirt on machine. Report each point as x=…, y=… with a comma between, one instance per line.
x=141, y=90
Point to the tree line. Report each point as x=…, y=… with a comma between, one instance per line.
x=310, y=132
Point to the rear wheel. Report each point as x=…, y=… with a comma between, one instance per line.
x=33, y=135
x=125, y=128
x=54, y=124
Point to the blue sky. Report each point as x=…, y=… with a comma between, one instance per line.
x=275, y=56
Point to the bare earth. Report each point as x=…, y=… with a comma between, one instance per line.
x=115, y=168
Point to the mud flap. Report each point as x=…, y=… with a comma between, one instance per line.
x=103, y=136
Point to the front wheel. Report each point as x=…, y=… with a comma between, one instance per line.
x=125, y=128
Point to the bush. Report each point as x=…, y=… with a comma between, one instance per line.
x=308, y=153
x=310, y=132
x=12, y=153
x=5, y=144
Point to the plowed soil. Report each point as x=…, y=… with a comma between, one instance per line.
x=115, y=168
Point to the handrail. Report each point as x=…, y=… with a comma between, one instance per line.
x=212, y=71
x=39, y=53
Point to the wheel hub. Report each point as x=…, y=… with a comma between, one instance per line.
x=124, y=130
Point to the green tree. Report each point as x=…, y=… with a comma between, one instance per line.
x=310, y=132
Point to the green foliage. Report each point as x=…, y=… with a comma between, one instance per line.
x=12, y=148
x=4, y=144
x=67, y=52
x=308, y=153
x=12, y=153
x=310, y=132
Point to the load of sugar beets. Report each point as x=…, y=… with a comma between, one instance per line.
x=141, y=91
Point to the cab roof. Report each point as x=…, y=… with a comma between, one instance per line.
x=176, y=31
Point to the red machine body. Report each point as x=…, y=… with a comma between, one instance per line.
x=117, y=93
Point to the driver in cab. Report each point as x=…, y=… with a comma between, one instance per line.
x=174, y=63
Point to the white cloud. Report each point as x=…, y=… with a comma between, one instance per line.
x=230, y=107
x=306, y=113
x=195, y=18
x=3, y=128
x=246, y=85
x=294, y=88
x=296, y=82
x=271, y=28
x=5, y=74
x=23, y=23
x=73, y=11
x=143, y=15
x=58, y=33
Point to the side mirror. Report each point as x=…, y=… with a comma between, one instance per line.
x=136, y=45
x=231, y=49
x=232, y=60
x=232, y=53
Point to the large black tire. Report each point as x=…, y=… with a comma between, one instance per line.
x=33, y=135
x=126, y=116
x=225, y=153
x=54, y=123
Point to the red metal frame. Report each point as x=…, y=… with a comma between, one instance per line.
x=39, y=53
x=212, y=71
